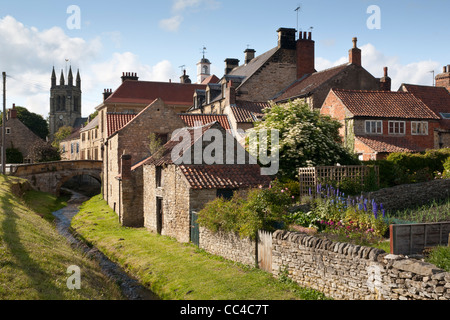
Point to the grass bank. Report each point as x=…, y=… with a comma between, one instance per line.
x=34, y=258
x=176, y=271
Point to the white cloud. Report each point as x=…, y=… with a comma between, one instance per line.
x=171, y=24
x=181, y=7
x=374, y=61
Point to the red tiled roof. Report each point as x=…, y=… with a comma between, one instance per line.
x=389, y=144
x=224, y=176
x=436, y=98
x=192, y=119
x=211, y=79
x=386, y=104
x=165, y=155
x=116, y=121
x=307, y=84
x=145, y=92
x=248, y=111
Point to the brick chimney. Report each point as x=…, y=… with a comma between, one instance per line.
x=129, y=76
x=443, y=79
x=12, y=113
x=230, y=64
x=305, y=55
x=230, y=93
x=126, y=166
x=107, y=93
x=286, y=38
x=249, y=55
x=355, y=54
x=385, y=82
x=185, y=78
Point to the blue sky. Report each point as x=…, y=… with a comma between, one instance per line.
x=155, y=38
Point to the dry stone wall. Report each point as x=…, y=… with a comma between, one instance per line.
x=350, y=272
x=228, y=246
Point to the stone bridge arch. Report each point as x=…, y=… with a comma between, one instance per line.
x=50, y=177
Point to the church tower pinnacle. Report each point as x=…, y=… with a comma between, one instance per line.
x=65, y=102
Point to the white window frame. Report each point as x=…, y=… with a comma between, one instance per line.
x=374, y=125
x=397, y=133
x=419, y=128
x=8, y=130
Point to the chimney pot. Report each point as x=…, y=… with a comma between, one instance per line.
x=385, y=71
x=445, y=69
x=355, y=42
x=448, y=68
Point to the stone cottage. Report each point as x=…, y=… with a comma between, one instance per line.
x=177, y=183
x=19, y=136
x=134, y=139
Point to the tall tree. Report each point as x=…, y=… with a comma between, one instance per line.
x=35, y=122
x=306, y=138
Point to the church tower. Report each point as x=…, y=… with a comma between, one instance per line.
x=65, y=102
x=203, y=69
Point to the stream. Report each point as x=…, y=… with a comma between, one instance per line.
x=130, y=287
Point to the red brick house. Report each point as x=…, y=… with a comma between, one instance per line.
x=376, y=123
x=438, y=100
x=313, y=87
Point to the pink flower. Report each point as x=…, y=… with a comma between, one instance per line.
x=293, y=197
x=282, y=190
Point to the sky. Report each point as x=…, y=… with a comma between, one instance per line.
x=158, y=39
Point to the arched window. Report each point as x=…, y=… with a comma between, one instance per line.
x=205, y=70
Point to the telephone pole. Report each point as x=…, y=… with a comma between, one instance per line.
x=4, y=126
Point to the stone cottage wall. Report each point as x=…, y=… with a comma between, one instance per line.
x=350, y=272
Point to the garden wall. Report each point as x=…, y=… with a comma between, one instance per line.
x=228, y=246
x=345, y=271
x=411, y=195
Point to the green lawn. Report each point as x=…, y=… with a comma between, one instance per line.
x=176, y=271
x=34, y=258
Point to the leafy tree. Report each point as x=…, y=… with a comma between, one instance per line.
x=13, y=155
x=60, y=135
x=44, y=152
x=35, y=122
x=307, y=138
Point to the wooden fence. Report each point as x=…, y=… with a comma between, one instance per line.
x=414, y=238
x=310, y=178
x=265, y=250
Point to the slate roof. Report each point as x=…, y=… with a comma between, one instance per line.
x=384, y=104
x=384, y=144
x=309, y=83
x=145, y=92
x=91, y=125
x=247, y=70
x=191, y=119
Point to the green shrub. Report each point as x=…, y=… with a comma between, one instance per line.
x=248, y=212
x=440, y=257
x=446, y=171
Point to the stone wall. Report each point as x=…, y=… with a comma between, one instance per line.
x=411, y=195
x=350, y=272
x=228, y=246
